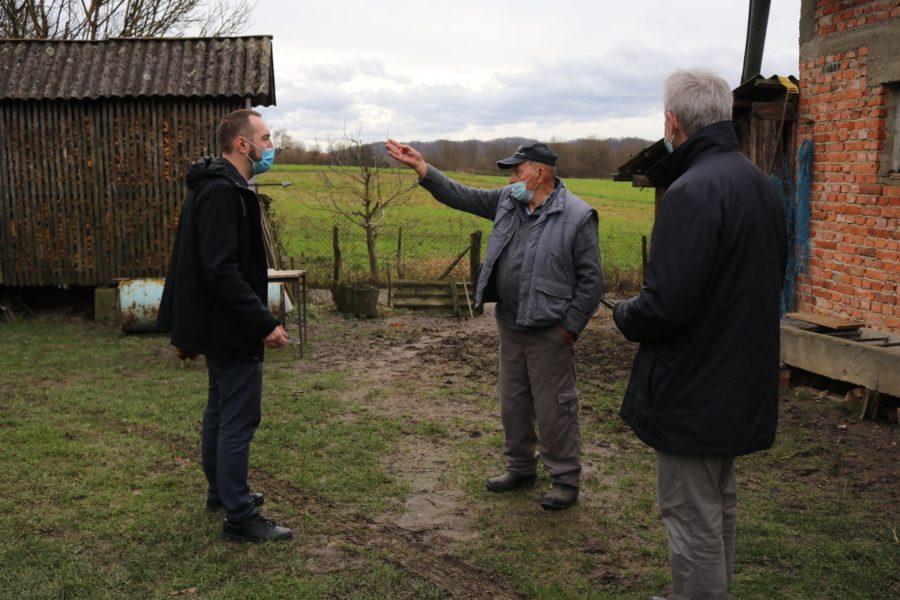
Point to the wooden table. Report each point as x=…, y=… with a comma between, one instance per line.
x=297, y=280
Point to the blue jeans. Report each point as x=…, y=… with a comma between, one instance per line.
x=231, y=417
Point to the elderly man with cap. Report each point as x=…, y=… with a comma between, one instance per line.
x=542, y=268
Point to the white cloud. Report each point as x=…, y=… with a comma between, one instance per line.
x=470, y=69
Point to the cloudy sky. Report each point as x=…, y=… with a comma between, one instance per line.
x=466, y=69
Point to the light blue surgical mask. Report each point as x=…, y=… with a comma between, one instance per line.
x=265, y=161
x=519, y=191
x=669, y=147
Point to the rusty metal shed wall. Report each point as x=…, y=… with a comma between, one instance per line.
x=97, y=137
x=138, y=67
x=90, y=191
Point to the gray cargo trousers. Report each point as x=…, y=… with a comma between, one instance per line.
x=698, y=503
x=537, y=385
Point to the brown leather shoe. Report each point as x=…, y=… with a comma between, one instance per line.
x=510, y=481
x=560, y=496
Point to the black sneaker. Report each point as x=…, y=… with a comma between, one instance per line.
x=256, y=498
x=255, y=529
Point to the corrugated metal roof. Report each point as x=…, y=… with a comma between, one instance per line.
x=138, y=67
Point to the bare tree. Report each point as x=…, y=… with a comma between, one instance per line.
x=359, y=187
x=102, y=19
x=282, y=139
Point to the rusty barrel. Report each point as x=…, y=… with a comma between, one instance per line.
x=137, y=302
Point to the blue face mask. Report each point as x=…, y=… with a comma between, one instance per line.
x=520, y=192
x=266, y=160
x=670, y=148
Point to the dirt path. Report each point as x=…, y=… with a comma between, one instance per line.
x=389, y=359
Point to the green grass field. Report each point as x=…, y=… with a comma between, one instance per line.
x=103, y=494
x=433, y=235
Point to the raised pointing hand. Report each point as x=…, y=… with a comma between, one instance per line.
x=407, y=155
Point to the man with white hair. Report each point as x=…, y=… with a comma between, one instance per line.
x=704, y=386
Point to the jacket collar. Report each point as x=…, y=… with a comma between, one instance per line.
x=712, y=139
x=208, y=167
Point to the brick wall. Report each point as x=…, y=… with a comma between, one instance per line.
x=845, y=99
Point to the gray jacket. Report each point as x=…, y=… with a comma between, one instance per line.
x=558, y=285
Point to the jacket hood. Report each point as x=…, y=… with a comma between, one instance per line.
x=208, y=167
x=718, y=137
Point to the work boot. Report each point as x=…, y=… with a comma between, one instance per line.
x=510, y=481
x=560, y=496
x=256, y=499
x=255, y=529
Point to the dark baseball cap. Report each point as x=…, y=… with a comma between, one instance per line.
x=538, y=152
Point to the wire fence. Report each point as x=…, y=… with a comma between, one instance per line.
x=420, y=254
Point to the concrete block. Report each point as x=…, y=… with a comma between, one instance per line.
x=859, y=363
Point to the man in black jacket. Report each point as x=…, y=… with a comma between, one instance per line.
x=704, y=386
x=214, y=303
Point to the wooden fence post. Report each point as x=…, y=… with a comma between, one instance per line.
x=643, y=257
x=399, y=252
x=336, y=244
x=474, y=255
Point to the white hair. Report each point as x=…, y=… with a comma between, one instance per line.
x=698, y=98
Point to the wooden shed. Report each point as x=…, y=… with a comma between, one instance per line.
x=764, y=116
x=97, y=137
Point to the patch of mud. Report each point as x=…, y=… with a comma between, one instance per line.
x=328, y=555
x=864, y=454
x=434, y=510
x=408, y=366
x=429, y=371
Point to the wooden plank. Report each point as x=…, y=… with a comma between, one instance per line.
x=404, y=291
x=5, y=193
x=773, y=111
x=54, y=186
x=77, y=121
x=455, y=296
x=641, y=181
x=72, y=174
x=143, y=190
x=835, y=323
x=437, y=285
x=88, y=135
x=29, y=217
x=422, y=303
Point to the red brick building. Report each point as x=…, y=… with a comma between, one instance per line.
x=850, y=109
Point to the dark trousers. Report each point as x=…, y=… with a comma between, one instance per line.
x=231, y=417
x=537, y=386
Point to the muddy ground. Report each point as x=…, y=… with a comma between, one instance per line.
x=388, y=360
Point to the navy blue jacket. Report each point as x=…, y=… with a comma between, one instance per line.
x=214, y=300
x=705, y=378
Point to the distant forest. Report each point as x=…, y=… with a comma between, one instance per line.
x=587, y=157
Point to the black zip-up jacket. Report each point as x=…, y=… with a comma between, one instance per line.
x=214, y=300
x=705, y=379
